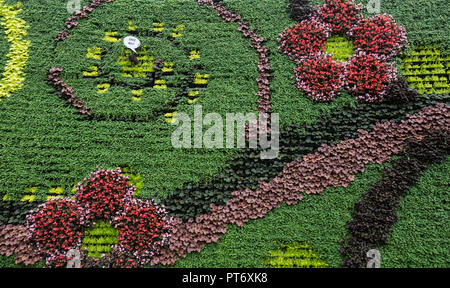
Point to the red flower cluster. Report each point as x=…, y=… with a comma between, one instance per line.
x=56, y=225
x=303, y=39
x=367, y=77
x=375, y=41
x=103, y=193
x=379, y=35
x=142, y=228
x=340, y=15
x=321, y=78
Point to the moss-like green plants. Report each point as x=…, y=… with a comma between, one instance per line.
x=127, y=81
x=340, y=47
x=99, y=239
x=294, y=255
x=426, y=70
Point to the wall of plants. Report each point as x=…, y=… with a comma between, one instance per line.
x=363, y=99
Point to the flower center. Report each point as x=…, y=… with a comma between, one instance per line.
x=340, y=47
x=98, y=239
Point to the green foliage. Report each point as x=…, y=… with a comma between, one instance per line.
x=4, y=47
x=134, y=179
x=9, y=262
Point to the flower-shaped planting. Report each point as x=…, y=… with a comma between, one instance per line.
x=58, y=226
x=361, y=50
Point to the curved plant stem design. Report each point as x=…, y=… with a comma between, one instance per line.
x=73, y=21
x=194, y=200
x=331, y=166
x=15, y=29
x=261, y=51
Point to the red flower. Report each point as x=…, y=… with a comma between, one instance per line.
x=103, y=193
x=52, y=226
x=303, y=39
x=320, y=78
x=367, y=77
x=340, y=15
x=142, y=228
x=379, y=35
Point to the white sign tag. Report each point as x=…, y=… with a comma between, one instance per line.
x=132, y=42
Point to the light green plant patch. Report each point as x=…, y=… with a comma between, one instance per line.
x=134, y=179
x=340, y=47
x=294, y=255
x=427, y=70
x=99, y=239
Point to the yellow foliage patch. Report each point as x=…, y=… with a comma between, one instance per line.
x=13, y=75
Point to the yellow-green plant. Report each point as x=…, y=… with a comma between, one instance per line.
x=15, y=28
x=99, y=239
x=424, y=68
x=340, y=48
x=134, y=179
x=293, y=255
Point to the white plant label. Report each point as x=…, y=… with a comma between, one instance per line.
x=132, y=43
